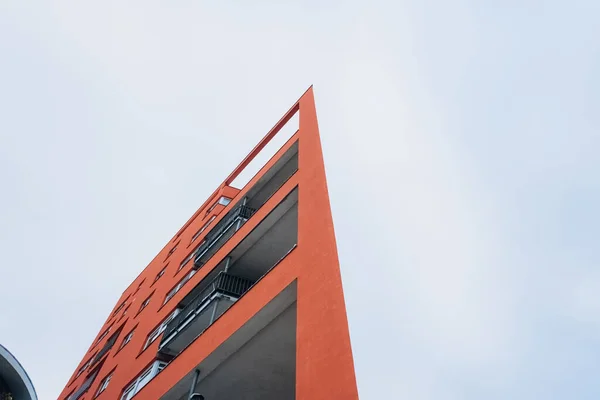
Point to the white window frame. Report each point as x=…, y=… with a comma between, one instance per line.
x=145, y=303
x=139, y=286
x=187, y=260
x=178, y=287
x=143, y=379
x=203, y=228
x=160, y=274
x=129, y=390
x=127, y=339
x=119, y=308
x=103, y=384
x=173, y=249
x=152, y=336
x=85, y=366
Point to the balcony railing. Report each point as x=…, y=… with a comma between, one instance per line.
x=203, y=310
x=221, y=232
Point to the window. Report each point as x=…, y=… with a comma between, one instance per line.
x=119, y=308
x=203, y=228
x=224, y=201
x=172, y=250
x=85, y=366
x=144, y=304
x=161, y=328
x=161, y=273
x=85, y=386
x=177, y=287
x=103, y=384
x=103, y=334
x=70, y=395
x=187, y=260
x=143, y=379
x=124, y=311
x=126, y=339
x=139, y=286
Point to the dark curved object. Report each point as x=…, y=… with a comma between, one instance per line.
x=13, y=378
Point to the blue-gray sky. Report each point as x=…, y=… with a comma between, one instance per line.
x=461, y=142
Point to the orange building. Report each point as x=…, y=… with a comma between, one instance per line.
x=245, y=302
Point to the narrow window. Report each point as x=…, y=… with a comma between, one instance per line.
x=139, y=286
x=129, y=391
x=127, y=339
x=103, y=334
x=103, y=384
x=187, y=260
x=143, y=379
x=119, y=308
x=172, y=250
x=144, y=304
x=124, y=312
x=177, y=287
x=85, y=366
x=161, y=273
x=161, y=328
x=203, y=228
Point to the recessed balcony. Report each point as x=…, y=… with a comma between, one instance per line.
x=268, y=184
x=257, y=253
x=221, y=233
x=202, y=311
x=257, y=362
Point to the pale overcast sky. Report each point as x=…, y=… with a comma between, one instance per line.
x=461, y=141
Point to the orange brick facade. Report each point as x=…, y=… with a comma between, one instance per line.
x=323, y=358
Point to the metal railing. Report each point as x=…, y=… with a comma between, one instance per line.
x=223, y=283
x=240, y=214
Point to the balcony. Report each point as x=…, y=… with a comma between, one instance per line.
x=254, y=256
x=257, y=362
x=200, y=312
x=271, y=181
x=221, y=233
